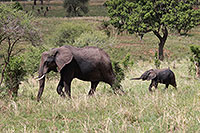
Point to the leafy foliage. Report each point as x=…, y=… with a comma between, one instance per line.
x=92, y=38
x=76, y=7
x=17, y=6
x=195, y=49
x=127, y=61
x=143, y=16
x=119, y=73
x=15, y=73
x=195, y=59
x=67, y=33
x=183, y=17
x=32, y=59
x=15, y=26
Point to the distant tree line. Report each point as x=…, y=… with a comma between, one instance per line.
x=11, y=0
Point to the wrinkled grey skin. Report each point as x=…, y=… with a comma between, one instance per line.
x=164, y=76
x=88, y=64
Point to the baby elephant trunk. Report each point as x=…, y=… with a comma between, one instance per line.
x=135, y=78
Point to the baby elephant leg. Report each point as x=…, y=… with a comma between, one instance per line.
x=150, y=86
x=166, y=86
x=93, y=87
x=153, y=83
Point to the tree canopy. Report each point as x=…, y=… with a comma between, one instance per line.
x=76, y=7
x=157, y=16
x=15, y=26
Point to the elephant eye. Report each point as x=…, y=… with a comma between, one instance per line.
x=46, y=63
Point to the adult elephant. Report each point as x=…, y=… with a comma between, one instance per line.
x=88, y=64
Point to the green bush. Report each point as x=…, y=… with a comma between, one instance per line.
x=14, y=74
x=195, y=60
x=32, y=59
x=195, y=49
x=126, y=61
x=17, y=6
x=76, y=7
x=3, y=91
x=119, y=73
x=92, y=38
x=67, y=33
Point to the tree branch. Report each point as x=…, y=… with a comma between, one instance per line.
x=157, y=34
x=9, y=52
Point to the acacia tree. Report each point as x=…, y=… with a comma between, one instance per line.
x=15, y=27
x=76, y=7
x=157, y=16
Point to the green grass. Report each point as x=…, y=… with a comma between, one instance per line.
x=137, y=111
x=176, y=47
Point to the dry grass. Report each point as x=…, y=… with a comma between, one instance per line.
x=137, y=111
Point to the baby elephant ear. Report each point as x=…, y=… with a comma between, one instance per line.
x=63, y=57
x=151, y=75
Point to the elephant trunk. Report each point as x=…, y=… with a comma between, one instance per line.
x=41, y=83
x=135, y=78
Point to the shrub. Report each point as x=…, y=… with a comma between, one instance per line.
x=119, y=73
x=3, y=91
x=195, y=59
x=67, y=33
x=126, y=62
x=14, y=74
x=92, y=38
x=76, y=7
x=17, y=6
x=32, y=59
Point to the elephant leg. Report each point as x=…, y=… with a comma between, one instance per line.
x=174, y=85
x=156, y=85
x=93, y=87
x=166, y=86
x=67, y=85
x=60, y=87
x=150, y=86
x=67, y=82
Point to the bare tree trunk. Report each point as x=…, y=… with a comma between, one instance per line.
x=35, y=2
x=162, y=42
x=161, y=51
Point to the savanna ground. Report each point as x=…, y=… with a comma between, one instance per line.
x=138, y=111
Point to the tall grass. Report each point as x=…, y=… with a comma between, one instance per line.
x=137, y=111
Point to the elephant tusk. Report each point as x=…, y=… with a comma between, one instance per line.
x=38, y=79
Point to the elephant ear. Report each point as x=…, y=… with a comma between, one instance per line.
x=63, y=57
x=152, y=75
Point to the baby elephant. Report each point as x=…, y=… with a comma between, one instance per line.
x=164, y=76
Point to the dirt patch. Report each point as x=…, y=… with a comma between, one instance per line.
x=153, y=51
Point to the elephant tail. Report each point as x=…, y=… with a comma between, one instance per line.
x=135, y=78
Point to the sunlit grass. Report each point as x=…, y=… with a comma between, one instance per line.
x=137, y=111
